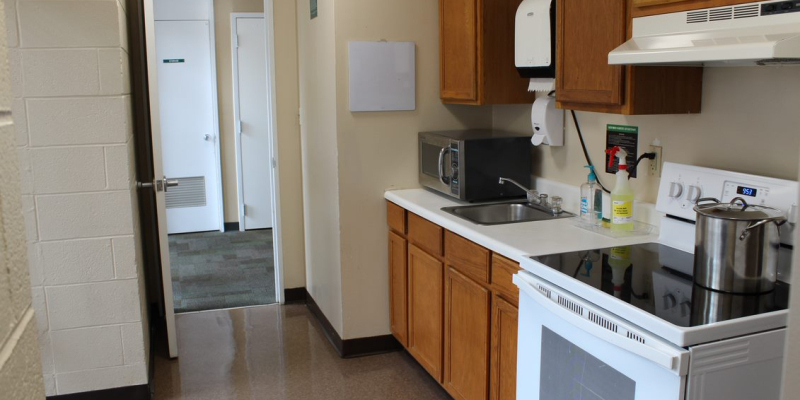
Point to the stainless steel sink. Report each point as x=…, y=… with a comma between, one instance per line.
x=504, y=213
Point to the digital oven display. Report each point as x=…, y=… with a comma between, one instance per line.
x=744, y=190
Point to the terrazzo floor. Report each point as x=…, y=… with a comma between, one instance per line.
x=216, y=270
x=278, y=353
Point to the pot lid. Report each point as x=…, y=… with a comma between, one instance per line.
x=737, y=209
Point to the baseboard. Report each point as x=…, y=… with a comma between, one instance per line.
x=294, y=296
x=231, y=226
x=352, y=348
x=138, y=392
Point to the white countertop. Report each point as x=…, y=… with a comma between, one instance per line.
x=516, y=241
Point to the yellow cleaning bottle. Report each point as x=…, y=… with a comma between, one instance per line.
x=622, y=195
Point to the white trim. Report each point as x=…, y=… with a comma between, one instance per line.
x=158, y=169
x=277, y=232
x=215, y=114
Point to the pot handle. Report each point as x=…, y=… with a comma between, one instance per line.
x=711, y=199
x=778, y=222
x=736, y=200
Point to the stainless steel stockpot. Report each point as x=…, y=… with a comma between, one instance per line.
x=736, y=246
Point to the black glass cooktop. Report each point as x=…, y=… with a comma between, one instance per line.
x=658, y=279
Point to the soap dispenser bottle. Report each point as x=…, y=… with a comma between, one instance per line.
x=622, y=195
x=591, y=200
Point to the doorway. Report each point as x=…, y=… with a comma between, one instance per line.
x=209, y=266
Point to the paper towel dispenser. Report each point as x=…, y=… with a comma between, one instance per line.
x=535, y=39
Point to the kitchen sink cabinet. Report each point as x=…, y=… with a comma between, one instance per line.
x=588, y=30
x=476, y=60
x=504, y=350
x=467, y=341
x=453, y=307
x=643, y=8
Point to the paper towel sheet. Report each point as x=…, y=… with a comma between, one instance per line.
x=542, y=85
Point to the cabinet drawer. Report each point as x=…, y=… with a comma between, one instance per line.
x=425, y=234
x=467, y=257
x=503, y=271
x=396, y=217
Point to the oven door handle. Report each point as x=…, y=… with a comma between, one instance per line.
x=670, y=360
x=444, y=179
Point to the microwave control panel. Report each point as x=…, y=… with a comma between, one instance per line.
x=455, y=179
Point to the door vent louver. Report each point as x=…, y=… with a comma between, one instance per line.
x=570, y=305
x=694, y=17
x=635, y=337
x=747, y=11
x=603, y=322
x=190, y=192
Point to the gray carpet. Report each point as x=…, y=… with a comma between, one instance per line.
x=214, y=270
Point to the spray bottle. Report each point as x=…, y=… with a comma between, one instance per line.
x=622, y=195
x=591, y=199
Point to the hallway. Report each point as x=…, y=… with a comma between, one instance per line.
x=276, y=353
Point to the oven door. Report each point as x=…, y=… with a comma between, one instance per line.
x=435, y=159
x=570, y=349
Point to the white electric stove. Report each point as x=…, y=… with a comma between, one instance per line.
x=628, y=322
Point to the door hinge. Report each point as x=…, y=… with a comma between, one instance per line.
x=239, y=127
x=244, y=210
x=274, y=164
x=236, y=41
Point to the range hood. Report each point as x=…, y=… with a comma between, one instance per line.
x=760, y=33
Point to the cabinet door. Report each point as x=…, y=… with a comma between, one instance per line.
x=425, y=309
x=458, y=49
x=467, y=308
x=504, y=350
x=588, y=30
x=398, y=288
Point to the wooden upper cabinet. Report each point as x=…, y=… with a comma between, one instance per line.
x=467, y=340
x=588, y=30
x=425, y=310
x=476, y=50
x=643, y=8
x=398, y=287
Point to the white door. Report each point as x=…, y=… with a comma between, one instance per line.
x=570, y=349
x=188, y=131
x=251, y=112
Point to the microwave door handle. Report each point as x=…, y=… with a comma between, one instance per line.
x=672, y=361
x=444, y=179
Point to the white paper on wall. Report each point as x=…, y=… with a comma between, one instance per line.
x=382, y=76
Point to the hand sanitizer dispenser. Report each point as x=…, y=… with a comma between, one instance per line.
x=547, y=122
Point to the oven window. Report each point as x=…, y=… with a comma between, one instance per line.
x=430, y=159
x=570, y=373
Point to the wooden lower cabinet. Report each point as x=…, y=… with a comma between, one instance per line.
x=504, y=350
x=398, y=287
x=467, y=340
x=425, y=309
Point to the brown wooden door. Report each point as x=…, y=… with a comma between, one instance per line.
x=504, y=350
x=588, y=30
x=425, y=309
x=398, y=288
x=458, y=49
x=467, y=308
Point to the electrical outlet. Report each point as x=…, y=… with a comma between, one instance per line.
x=655, y=165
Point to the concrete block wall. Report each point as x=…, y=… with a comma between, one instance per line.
x=20, y=370
x=71, y=92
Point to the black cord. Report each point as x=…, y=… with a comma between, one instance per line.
x=649, y=156
x=585, y=152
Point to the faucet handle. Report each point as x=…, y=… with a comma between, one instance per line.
x=543, y=199
x=555, y=204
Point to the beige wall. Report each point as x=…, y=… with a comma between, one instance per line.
x=317, y=74
x=749, y=123
x=290, y=179
x=20, y=369
x=222, y=38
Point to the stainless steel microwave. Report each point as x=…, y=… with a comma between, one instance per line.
x=467, y=164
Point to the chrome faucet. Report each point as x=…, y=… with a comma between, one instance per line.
x=533, y=196
x=538, y=199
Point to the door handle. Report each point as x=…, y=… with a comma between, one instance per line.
x=161, y=185
x=442, y=178
x=209, y=138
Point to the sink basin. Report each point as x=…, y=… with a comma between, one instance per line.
x=503, y=213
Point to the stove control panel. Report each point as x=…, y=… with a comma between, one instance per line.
x=682, y=185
